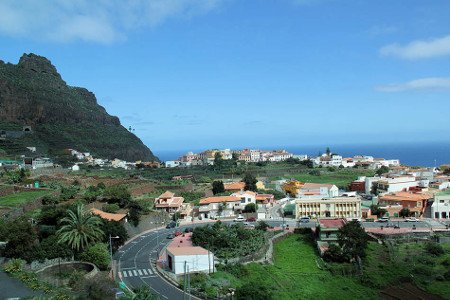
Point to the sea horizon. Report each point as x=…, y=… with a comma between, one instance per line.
x=425, y=154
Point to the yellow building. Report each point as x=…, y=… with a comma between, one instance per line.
x=292, y=187
x=337, y=207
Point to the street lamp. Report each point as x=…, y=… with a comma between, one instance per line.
x=110, y=250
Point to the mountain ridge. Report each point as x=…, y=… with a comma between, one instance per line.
x=33, y=93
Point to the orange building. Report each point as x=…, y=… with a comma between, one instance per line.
x=395, y=202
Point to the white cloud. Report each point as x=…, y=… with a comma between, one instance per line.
x=102, y=21
x=431, y=83
x=419, y=49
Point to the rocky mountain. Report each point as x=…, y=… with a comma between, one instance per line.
x=32, y=93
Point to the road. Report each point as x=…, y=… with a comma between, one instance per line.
x=136, y=259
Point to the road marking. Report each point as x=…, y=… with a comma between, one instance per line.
x=127, y=268
x=150, y=271
x=135, y=273
x=140, y=273
x=124, y=273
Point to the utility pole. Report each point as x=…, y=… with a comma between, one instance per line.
x=185, y=280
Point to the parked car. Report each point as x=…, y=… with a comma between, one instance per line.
x=177, y=233
x=251, y=219
x=305, y=219
x=411, y=219
x=170, y=236
x=383, y=219
x=171, y=225
x=188, y=229
x=239, y=219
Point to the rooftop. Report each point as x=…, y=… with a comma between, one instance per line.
x=108, y=216
x=444, y=192
x=331, y=223
x=219, y=199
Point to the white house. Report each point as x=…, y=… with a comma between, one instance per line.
x=318, y=190
x=441, y=205
x=75, y=168
x=182, y=260
x=396, y=184
x=172, y=163
x=225, y=206
x=42, y=163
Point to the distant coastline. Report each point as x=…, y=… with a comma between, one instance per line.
x=413, y=154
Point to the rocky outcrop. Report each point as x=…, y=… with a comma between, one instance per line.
x=33, y=93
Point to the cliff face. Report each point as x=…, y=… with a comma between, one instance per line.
x=33, y=93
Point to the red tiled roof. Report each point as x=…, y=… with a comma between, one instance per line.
x=234, y=186
x=332, y=223
x=108, y=216
x=219, y=199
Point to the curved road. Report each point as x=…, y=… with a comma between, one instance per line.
x=136, y=264
x=136, y=259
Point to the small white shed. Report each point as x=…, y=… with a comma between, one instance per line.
x=75, y=168
x=194, y=259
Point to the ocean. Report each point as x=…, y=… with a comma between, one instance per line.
x=412, y=154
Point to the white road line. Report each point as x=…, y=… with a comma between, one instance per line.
x=144, y=271
x=150, y=271
x=127, y=268
x=124, y=273
x=135, y=273
x=140, y=273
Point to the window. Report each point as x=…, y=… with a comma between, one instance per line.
x=441, y=201
x=419, y=204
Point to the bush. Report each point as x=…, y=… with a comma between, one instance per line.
x=315, y=173
x=49, y=200
x=117, y=194
x=97, y=254
x=254, y=291
x=110, y=208
x=334, y=254
x=14, y=266
x=434, y=248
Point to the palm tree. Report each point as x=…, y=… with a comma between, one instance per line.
x=80, y=228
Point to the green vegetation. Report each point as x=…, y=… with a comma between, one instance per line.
x=80, y=229
x=76, y=120
x=294, y=275
x=97, y=254
x=396, y=263
x=229, y=241
x=21, y=198
x=341, y=178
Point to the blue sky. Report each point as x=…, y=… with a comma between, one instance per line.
x=193, y=74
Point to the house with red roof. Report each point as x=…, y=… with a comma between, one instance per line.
x=168, y=202
x=328, y=233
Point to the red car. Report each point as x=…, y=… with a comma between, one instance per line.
x=251, y=219
x=177, y=233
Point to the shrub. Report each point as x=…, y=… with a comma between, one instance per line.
x=110, y=208
x=334, y=254
x=97, y=254
x=49, y=200
x=434, y=248
x=14, y=266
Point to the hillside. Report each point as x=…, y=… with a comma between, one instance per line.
x=32, y=93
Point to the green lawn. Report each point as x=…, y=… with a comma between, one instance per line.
x=295, y=274
x=21, y=198
x=340, y=178
x=407, y=261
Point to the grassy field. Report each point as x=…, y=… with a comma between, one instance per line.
x=21, y=198
x=403, y=262
x=340, y=177
x=295, y=274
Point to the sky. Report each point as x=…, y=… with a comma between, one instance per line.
x=198, y=74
